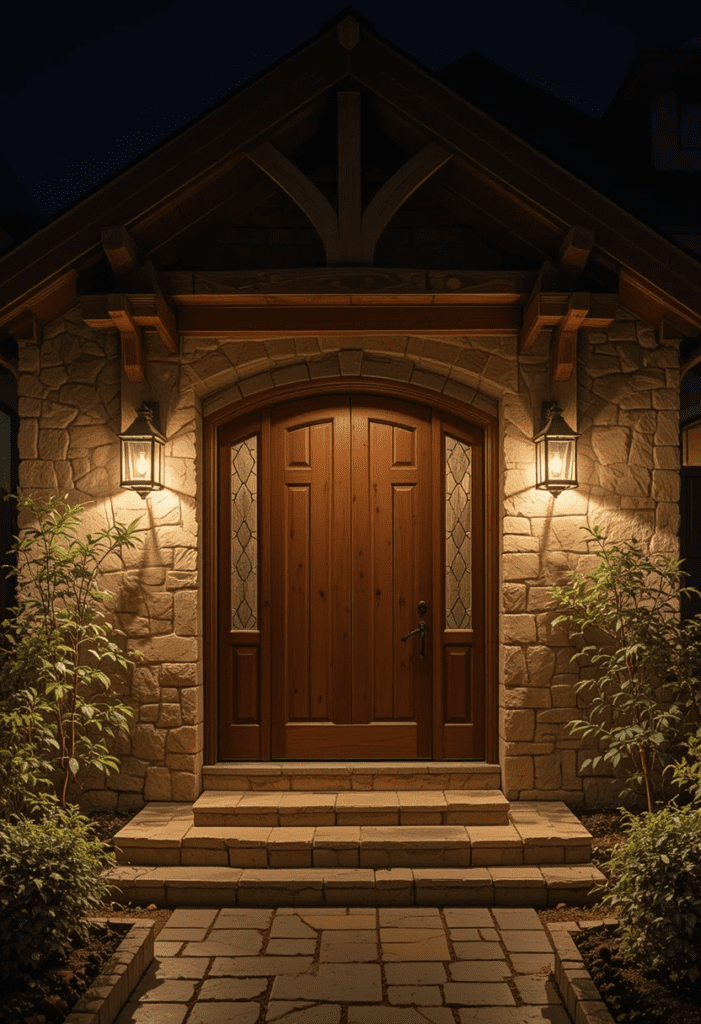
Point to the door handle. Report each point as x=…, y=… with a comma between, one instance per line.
x=422, y=630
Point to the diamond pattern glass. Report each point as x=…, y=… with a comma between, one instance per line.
x=244, y=534
x=458, y=545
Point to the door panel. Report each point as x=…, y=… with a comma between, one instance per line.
x=337, y=516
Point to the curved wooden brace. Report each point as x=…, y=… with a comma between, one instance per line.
x=303, y=191
x=396, y=191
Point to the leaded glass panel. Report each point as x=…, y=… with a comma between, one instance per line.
x=244, y=534
x=458, y=540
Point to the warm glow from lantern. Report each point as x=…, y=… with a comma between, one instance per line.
x=556, y=465
x=141, y=464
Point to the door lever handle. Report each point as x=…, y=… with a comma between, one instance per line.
x=422, y=630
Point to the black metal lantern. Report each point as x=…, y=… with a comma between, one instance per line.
x=556, y=452
x=143, y=447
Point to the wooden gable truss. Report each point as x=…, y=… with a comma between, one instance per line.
x=461, y=157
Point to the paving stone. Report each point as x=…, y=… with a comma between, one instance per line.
x=157, y=990
x=414, y=995
x=458, y=993
x=180, y=967
x=181, y=934
x=537, y=990
x=333, y=983
x=280, y=1007
x=291, y=928
x=243, y=917
x=191, y=917
x=520, y=918
x=468, y=917
x=415, y=974
x=258, y=966
x=232, y=988
x=225, y=1013
x=410, y=917
x=290, y=947
x=227, y=943
x=532, y=963
x=399, y=1015
x=413, y=944
x=479, y=970
x=167, y=948
x=513, y=1015
x=348, y=946
x=474, y=934
x=525, y=942
x=311, y=1015
x=478, y=950
x=153, y=1013
x=329, y=918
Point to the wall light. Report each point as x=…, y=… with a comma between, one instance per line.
x=143, y=447
x=556, y=451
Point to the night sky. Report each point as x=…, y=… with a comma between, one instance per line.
x=83, y=95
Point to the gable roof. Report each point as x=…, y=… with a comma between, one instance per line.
x=535, y=196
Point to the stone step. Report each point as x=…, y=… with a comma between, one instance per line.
x=355, y=887
x=356, y=807
x=336, y=776
x=166, y=834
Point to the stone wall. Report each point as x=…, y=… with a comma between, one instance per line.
x=74, y=402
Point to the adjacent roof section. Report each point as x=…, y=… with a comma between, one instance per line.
x=522, y=172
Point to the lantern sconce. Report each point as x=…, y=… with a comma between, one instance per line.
x=142, y=452
x=556, y=451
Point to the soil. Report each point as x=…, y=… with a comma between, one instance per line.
x=632, y=996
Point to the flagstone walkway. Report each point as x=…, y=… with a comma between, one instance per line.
x=306, y=965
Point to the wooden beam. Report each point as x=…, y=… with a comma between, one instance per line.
x=576, y=248
x=395, y=318
x=563, y=343
x=120, y=249
x=303, y=191
x=395, y=192
x=133, y=349
x=349, y=177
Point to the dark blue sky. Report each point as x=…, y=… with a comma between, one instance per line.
x=83, y=95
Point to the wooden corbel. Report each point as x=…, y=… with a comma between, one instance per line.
x=563, y=343
x=139, y=304
x=26, y=326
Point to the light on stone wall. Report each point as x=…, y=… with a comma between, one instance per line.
x=143, y=447
x=555, y=451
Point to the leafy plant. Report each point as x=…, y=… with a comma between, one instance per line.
x=56, y=709
x=49, y=881
x=648, y=696
x=656, y=889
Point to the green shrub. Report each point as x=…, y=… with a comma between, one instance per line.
x=656, y=888
x=49, y=881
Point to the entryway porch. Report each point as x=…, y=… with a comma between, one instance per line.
x=354, y=834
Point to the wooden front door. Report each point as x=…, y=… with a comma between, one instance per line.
x=338, y=515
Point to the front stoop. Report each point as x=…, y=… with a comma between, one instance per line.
x=417, y=844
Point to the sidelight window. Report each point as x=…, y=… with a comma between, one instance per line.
x=244, y=534
x=458, y=531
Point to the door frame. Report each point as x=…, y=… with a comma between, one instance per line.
x=210, y=546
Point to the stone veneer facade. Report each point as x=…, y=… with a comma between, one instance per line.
x=74, y=401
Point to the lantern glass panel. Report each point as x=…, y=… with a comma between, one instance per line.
x=138, y=460
x=560, y=460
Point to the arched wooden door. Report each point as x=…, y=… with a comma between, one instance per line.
x=337, y=517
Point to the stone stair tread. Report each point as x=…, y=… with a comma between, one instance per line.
x=360, y=776
x=223, y=886
x=230, y=799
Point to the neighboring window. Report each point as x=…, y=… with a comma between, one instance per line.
x=689, y=128
x=244, y=534
x=691, y=445
x=458, y=530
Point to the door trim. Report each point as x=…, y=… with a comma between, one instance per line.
x=391, y=389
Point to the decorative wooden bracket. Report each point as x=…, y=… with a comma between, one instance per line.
x=140, y=304
x=349, y=238
x=555, y=304
x=25, y=327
